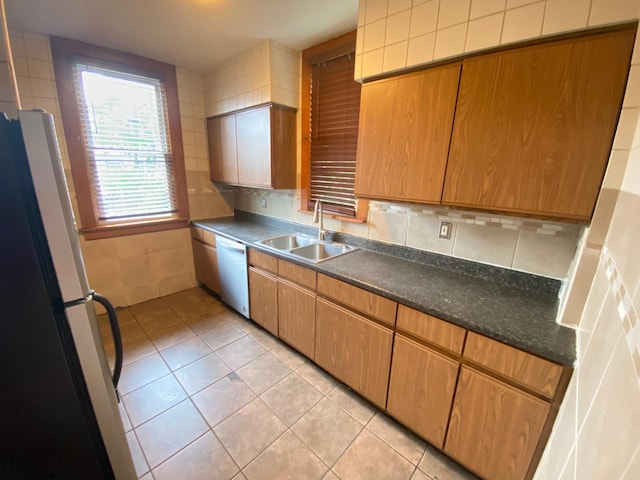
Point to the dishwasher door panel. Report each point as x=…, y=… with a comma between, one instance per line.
x=233, y=274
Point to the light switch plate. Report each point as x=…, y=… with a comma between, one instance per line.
x=445, y=230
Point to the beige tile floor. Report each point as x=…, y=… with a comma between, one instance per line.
x=206, y=394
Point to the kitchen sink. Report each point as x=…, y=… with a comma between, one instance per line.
x=287, y=242
x=306, y=247
x=317, y=252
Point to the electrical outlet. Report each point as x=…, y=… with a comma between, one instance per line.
x=445, y=230
x=264, y=202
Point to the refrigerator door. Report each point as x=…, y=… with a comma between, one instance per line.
x=86, y=336
x=53, y=200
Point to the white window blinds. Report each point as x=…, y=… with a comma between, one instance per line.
x=125, y=129
x=335, y=110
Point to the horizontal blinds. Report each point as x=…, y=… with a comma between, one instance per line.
x=125, y=129
x=335, y=109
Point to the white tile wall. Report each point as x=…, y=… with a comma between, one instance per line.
x=471, y=25
x=267, y=73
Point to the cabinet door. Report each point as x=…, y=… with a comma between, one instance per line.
x=354, y=350
x=253, y=129
x=205, y=261
x=297, y=317
x=494, y=428
x=263, y=299
x=534, y=126
x=223, y=158
x=421, y=389
x=404, y=134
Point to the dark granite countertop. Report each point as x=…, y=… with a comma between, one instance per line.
x=515, y=308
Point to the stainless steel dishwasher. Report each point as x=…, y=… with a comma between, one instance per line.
x=234, y=277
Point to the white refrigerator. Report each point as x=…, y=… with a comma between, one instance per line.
x=67, y=423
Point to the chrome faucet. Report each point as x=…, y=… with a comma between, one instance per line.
x=317, y=218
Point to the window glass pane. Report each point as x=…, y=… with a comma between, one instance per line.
x=124, y=124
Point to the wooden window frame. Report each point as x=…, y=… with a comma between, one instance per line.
x=341, y=45
x=63, y=53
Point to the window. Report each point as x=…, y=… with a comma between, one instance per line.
x=122, y=129
x=330, y=113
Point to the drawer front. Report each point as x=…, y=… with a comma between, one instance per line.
x=430, y=329
x=373, y=305
x=263, y=261
x=297, y=274
x=528, y=370
x=205, y=236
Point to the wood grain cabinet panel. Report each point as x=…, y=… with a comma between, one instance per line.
x=223, y=156
x=404, y=134
x=205, y=260
x=297, y=317
x=534, y=126
x=254, y=147
x=264, y=261
x=430, y=329
x=372, y=305
x=297, y=274
x=353, y=349
x=421, y=389
x=263, y=299
x=542, y=376
x=494, y=429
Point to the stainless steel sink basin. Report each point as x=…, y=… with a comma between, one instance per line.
x=306, y=247
x=287, y=242
x=317, y=252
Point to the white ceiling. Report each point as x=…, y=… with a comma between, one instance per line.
x=193, y=34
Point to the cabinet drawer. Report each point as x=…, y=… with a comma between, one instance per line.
x=528, y=370
x=297, y=274
x=373, y=305
x=430, y=329
x=205, y=236
x=263, y=261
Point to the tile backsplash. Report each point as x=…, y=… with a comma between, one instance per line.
x=533, y=246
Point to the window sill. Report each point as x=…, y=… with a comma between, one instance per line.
x=122, y=229
x=336, y=216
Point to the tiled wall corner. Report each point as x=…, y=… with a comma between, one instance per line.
x=393, y=35
x=285, y=70
x=268, y=72
x=243, y=81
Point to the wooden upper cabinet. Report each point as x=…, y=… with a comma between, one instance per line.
x=404, y=134
x=223, y=156
x=534, y=126
x=255, y=147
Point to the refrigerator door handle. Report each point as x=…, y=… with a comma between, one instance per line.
x=117, y=338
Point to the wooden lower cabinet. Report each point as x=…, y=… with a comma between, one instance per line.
x=494, y=428
x=354, y=349
x=421, y=389
x=297, y=317
x=263, y=299
x=205, y=259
